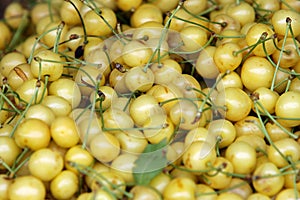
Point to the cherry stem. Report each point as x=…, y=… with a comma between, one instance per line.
x=294, y=167
x=209, y=101
x=45, y=88
x=179, y=98
x=108, y=58
x=132, y=95
x=15, y=170
x=204, y=102
x=218, y=141
x=21, y=28
x=292, y=72
x=33, y=98
x=162, y=38
x=227, y=36
x=50, y=10
x=210, y=9
x=58, y=36
x=9, y=102
x=275, y=121
x=261, y=40
x=91, y=117
x=263, y=129
x=6, y=166
x=37, y=41
x=288, y=52
x=81, y=21
x=20, y=157
x=294, y=40
x=289, y=80
x=288, y=24
x=220, y=168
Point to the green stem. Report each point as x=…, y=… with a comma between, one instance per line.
x=37, y=41
x=58, y=35
x=16, y=38
x=263, y=129
x=164, y=33
x=280, y=56
x=274, y=121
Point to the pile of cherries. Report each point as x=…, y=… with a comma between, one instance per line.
x=150, y=99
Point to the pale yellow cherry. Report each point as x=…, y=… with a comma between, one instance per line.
x=244, y=189
x=51, y=29
x=267, y=8
x=195, y=6
x=250, y=125
x=41, y=112
x=242, y=156
x=287, y=106
x=131, y=141
x=151, y=29
x=105, y=147
x=165, y=5
x=6, y=34
x=13, y=14
x=267, y=98
x=159, y=48
x=67, y=89
x=115, y=119
x=232, y=79
x=287, y=147
x=27, y=187
x=68, y=12
x=206, y=65
x=193, y=38
x=180, y=188
x=279, y=22
x=64, y=132
x=225, y=57
x=243, y=12
x=32, y=91
x=235, y=102
x=143, y=108
x=289, y=57
x=18, y=75
x=166, y=71
x=166, y=95
x=11, y=60
x=198, y=155
x=123, y=166
x=145, y=13
x=270, y=185
x=59, y=105
x=257, y=72
x=126, y=5
x=255, y=33
x=158, y=128
x=47, y=63
x=45, y=164
x=144, y=79
x=96, y=24
x=136, y=53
